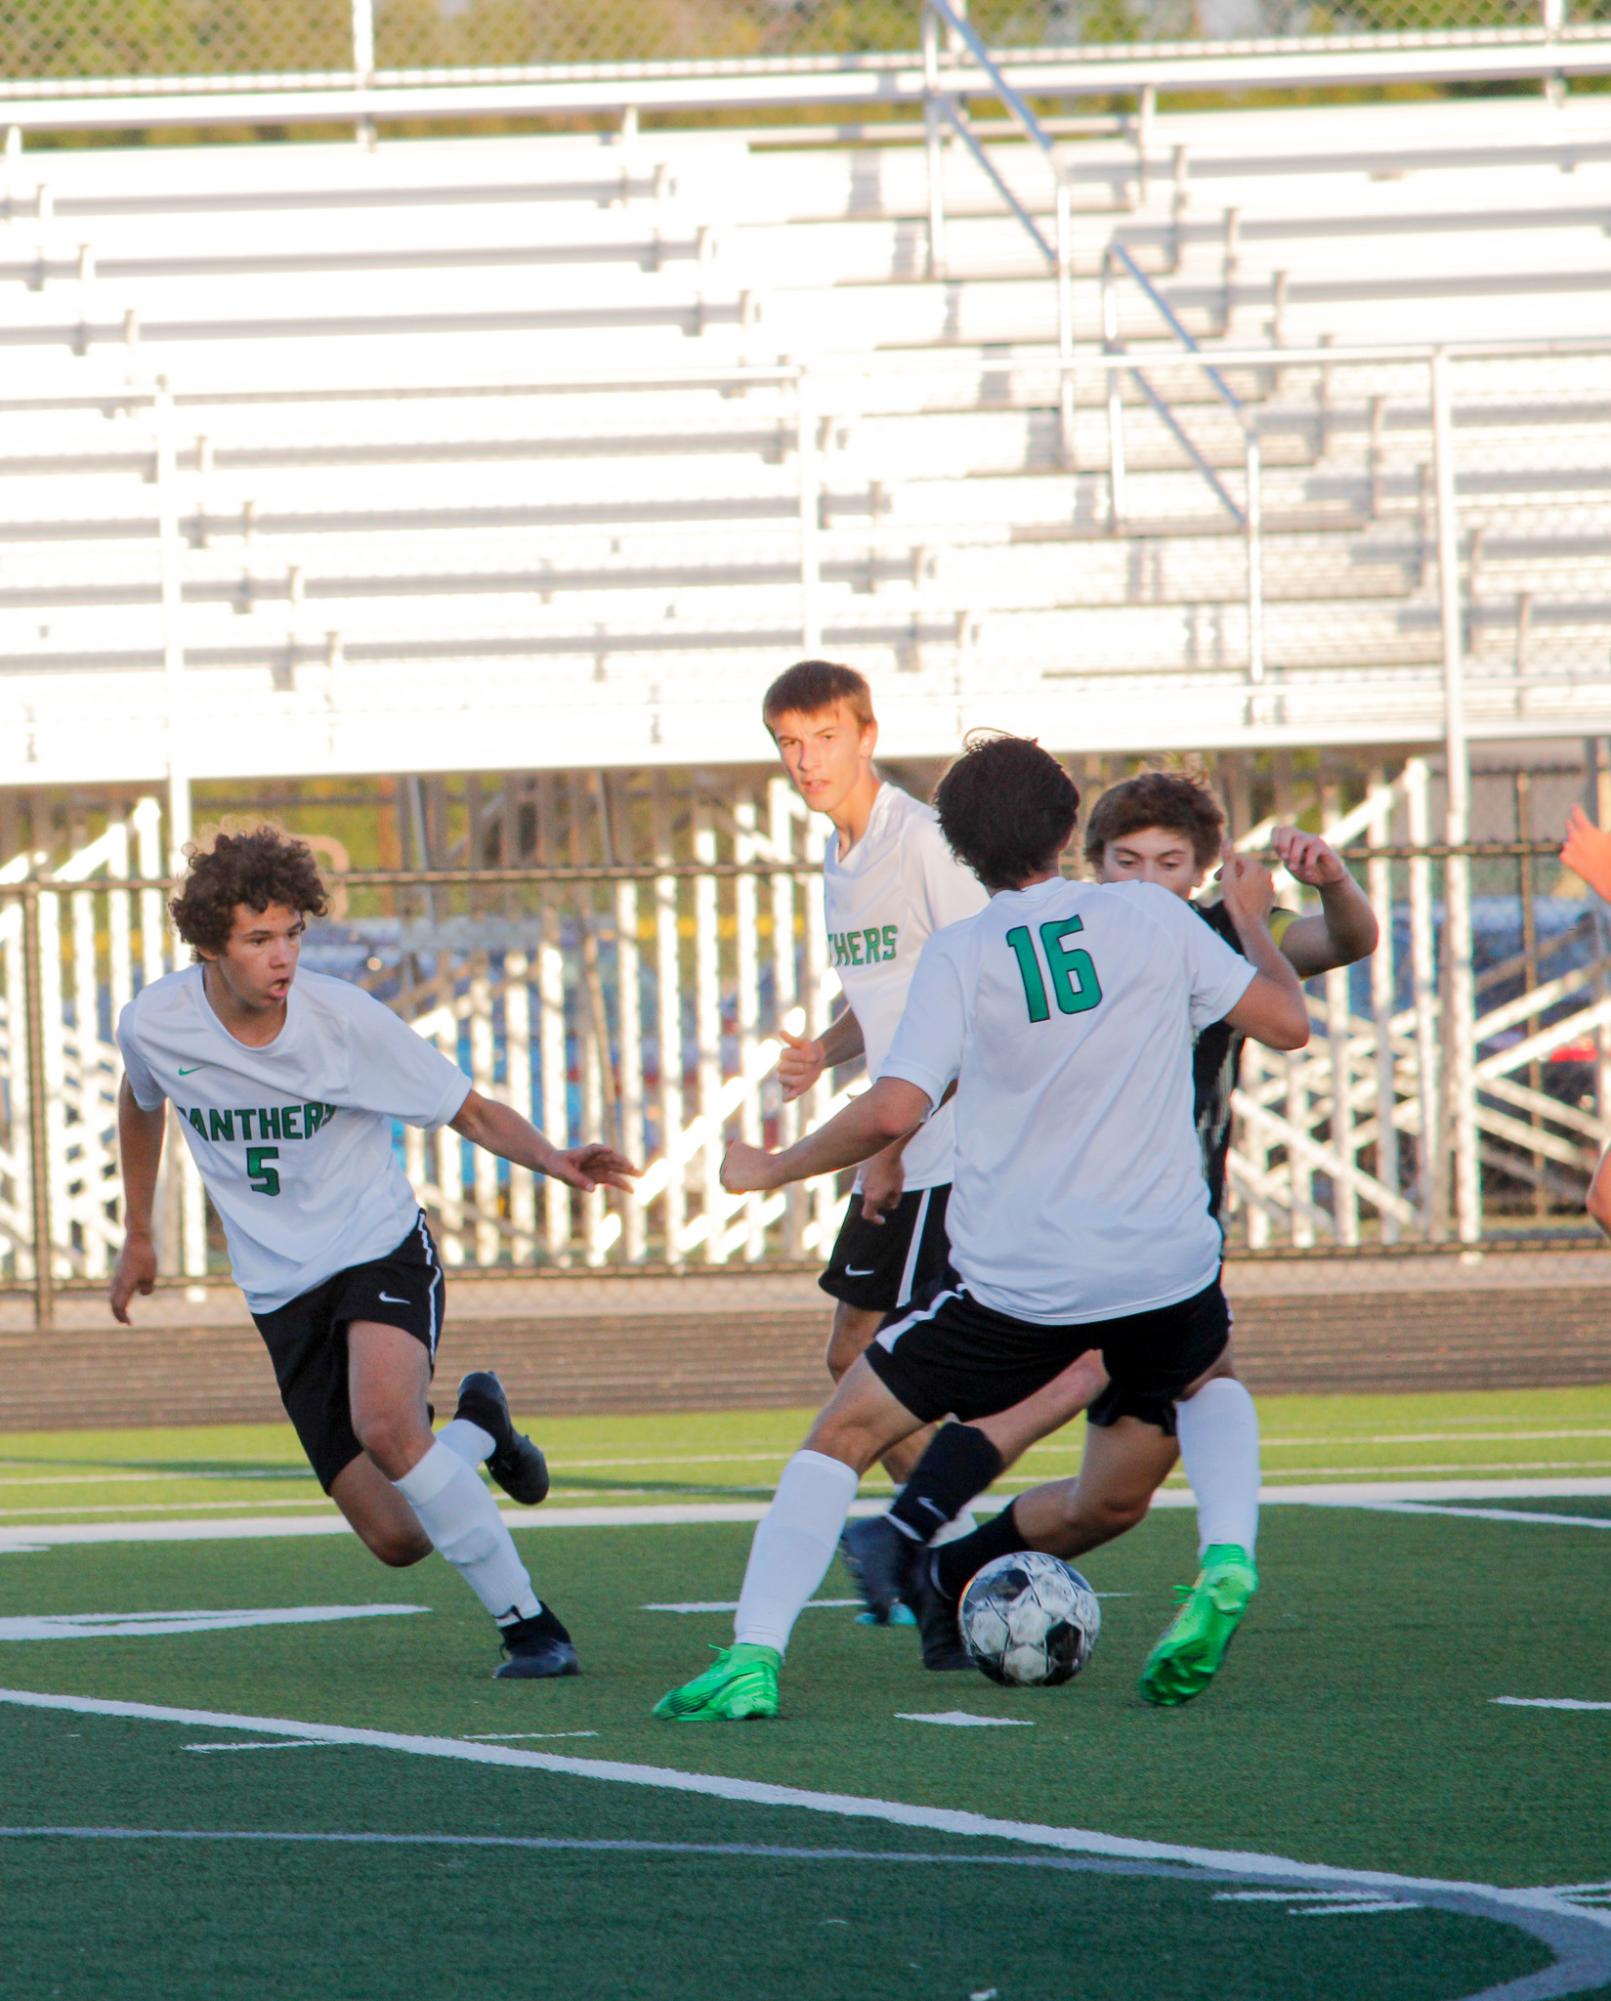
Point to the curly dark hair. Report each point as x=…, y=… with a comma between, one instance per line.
x=263, y=867
x=1168, y=799
x=1007, y=807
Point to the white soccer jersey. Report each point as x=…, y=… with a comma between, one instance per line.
x=294, y=1140
x=898, y=885
x=1066, y=1013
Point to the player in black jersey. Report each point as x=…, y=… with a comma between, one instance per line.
x=1165, y=828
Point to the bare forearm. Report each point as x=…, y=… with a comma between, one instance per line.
x=1273, y=1009
x=889, y=1111
x=1351, y=928
x=1262, y=952
x=139, y=1143
x=841, y=1040
x=1599, y=1196
x=503, y=1131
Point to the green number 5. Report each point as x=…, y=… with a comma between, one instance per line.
x=263, y=1178
x=1074, y=979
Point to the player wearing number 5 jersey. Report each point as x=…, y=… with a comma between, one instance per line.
x=286, y=1088
x=1064, y=1015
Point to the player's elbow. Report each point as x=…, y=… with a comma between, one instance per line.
x=1293, y=1030
x=1365, y=938
x=892, y=1108
x=1598, y=1200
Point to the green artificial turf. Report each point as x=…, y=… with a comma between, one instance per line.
x=674, y=1456
x=1354, y=1726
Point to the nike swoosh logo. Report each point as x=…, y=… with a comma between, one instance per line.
x=185, y=1072
x=391, y=1299
x=860, y=1271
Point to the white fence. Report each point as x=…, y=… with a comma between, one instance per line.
x=1455, y=1090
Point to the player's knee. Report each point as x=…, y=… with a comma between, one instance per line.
x=395, y=1441
x=1118, y=1512
x=1088, y=1519
x=396, y=1546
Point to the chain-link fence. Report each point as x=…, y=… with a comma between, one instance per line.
x=641, y=1002
x=66, y=39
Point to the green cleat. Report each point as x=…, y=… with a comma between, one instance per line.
x=742, y=1681
x=1193, y=1645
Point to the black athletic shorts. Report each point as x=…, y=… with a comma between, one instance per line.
x=947, y=1354
x=880, y=1266
x=307, y=1340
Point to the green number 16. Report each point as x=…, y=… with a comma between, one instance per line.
x=1074, y=979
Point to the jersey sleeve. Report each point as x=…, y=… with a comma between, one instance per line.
x=148, y=1093
x=951, y=891
x=927, y=1050
x=398, y=1073
x=1216, y=976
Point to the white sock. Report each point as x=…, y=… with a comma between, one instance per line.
x=957, y=1527
x=1219, y=1448
x=468, y=1441
x=460, y=1516
x=793, y=1546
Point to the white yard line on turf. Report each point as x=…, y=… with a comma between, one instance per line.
x=1319, y=1903
x=679, y=1514
x=1495, y=1514
x=141, y=1479
x=161, y=1625
x=731, y=1605
x=1543, y=1702
x=95, y=1477
x=776, y=1456
x=275, y=1744
x=149, y=1508
x=960, y=1719
x=511, y=1736
x=1243, y=1863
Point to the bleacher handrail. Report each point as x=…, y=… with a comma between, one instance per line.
x=1542, y=53
x=821, y=369
x=939, y=103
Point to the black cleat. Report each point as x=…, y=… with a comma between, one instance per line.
x=881, y=1561
x=937, y=1629
x=514, y=1462
x=537, y=1649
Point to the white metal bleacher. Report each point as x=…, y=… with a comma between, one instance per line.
x=539, y=431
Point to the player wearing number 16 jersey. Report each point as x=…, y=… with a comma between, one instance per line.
x=1064, y=1014
x=286, y=1089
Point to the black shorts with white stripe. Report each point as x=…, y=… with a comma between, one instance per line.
x=880, y=1266
x=949, y=1355
x=307, y=1341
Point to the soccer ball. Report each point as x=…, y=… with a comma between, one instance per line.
x=1029, y=1620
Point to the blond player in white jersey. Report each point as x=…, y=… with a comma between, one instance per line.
x=1064, y=1015
x=286, y=1087
x=889, y=883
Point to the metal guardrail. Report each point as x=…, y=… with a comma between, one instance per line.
x=940, y=104
x=1249, y=518
x=367, y=93
x=1425, y=1113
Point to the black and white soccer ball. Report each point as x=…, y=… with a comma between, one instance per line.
x=1029, y=1620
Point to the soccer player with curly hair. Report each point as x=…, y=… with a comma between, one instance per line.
x=286, y=1085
